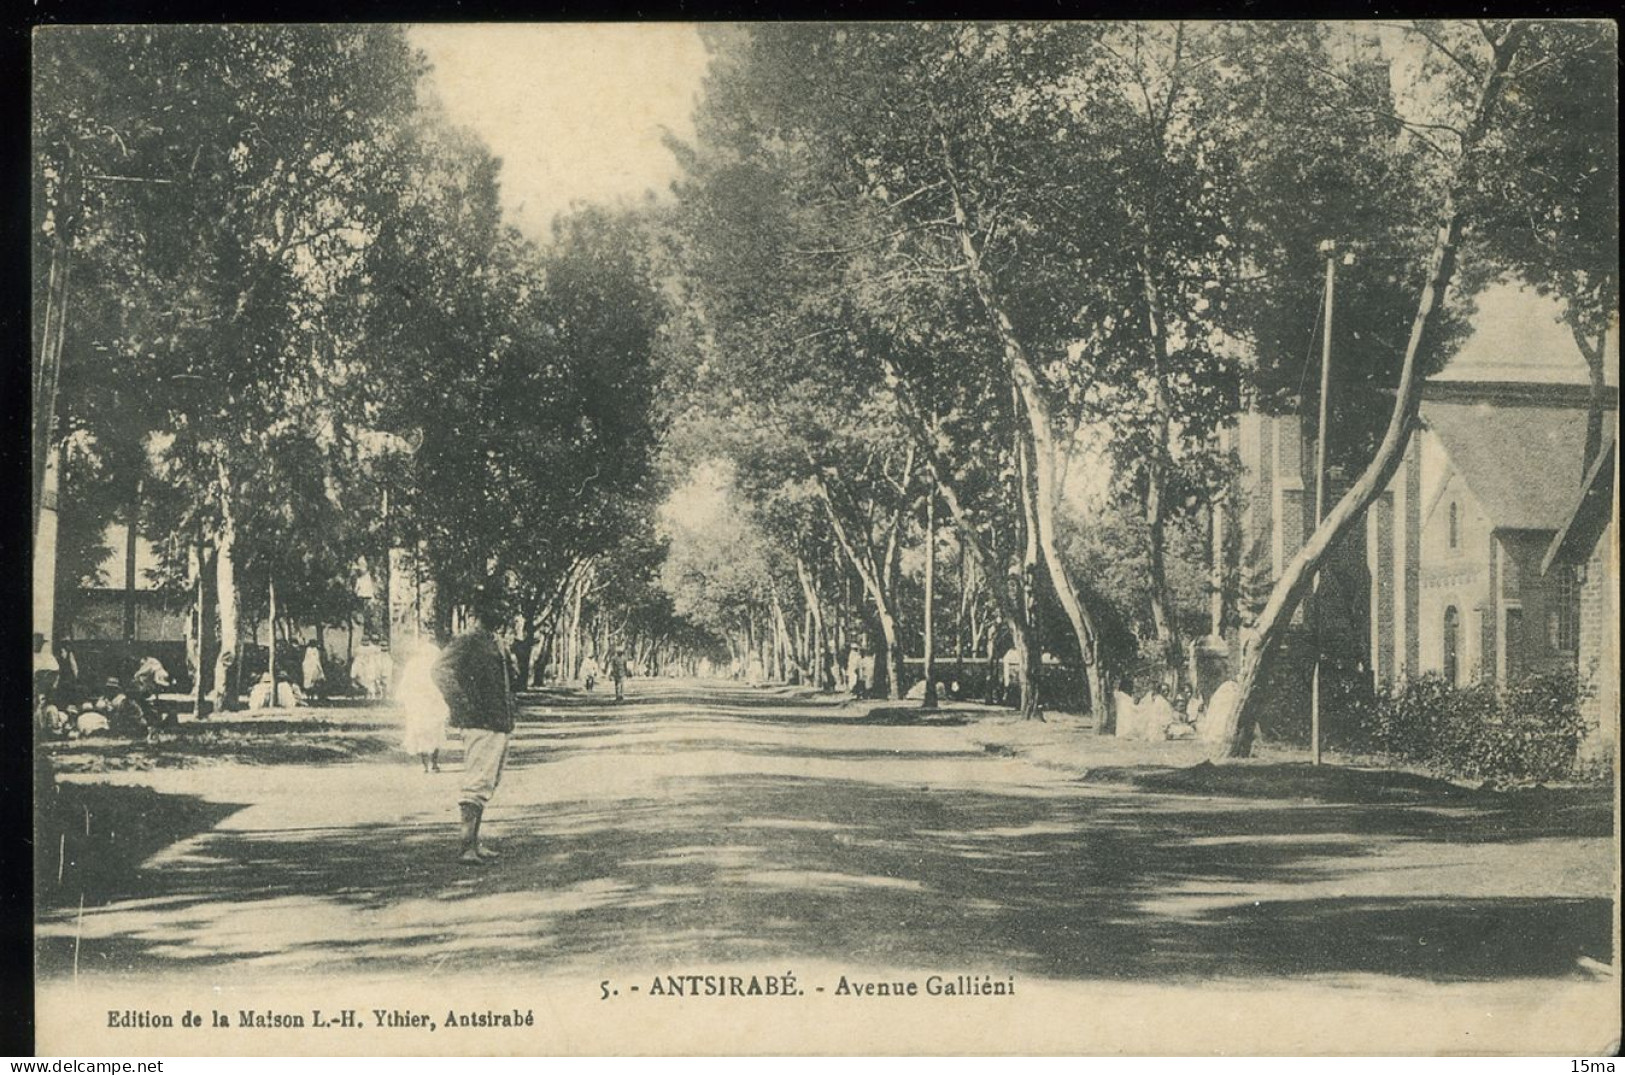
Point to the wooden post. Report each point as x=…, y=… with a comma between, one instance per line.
x=206, y=624
x=271, y=636
x=1217, y=572
x=1329, y=248
x=930, y=701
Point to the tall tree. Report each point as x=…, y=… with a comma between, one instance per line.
x=1471, y=74
x=1546, y=204
x=218, y=185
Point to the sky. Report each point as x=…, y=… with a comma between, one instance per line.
x=700, y=502
x=576, y=112
x=1519, y=336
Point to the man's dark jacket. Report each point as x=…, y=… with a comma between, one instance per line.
x=472, y=675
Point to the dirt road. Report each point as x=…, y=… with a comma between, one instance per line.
x=705, y=824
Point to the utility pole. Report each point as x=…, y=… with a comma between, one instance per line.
x=270, y=616
x=1328, y=247
x=930, y=593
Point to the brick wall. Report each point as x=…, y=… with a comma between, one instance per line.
x=1599, y=659
x=1454, y=576
x=1380, y=555
x=1394, y=560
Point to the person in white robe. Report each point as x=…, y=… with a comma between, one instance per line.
x=423, y=709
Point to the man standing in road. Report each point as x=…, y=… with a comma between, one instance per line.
x=617, y=673
x=472, y=675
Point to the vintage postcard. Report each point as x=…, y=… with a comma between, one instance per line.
x=815, y=538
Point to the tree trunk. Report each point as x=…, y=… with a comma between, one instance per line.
x=1041, y=428
x=1216, y=576
x=129, y=569
x=193, y=634
x=543, y=657
x=894, y=643
x=204, y=626
x=962, y=632
x=781, y=637
x=575, y=630
x=1593, y=351
x=1296, y=580
x=1010, y=600
x=843, y=639
x=1163, y=616
x=929, y=662
x=47, y=376
x=1031, y=653
x=270, y=623
x=1010, y=604
x=768, y=641
x=875, y=583
x=46, y=546
x=229, y=665
x=523, y=647
x=1162, y=610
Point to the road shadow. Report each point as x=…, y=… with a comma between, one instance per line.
x=91, y=838
x=1113, y=884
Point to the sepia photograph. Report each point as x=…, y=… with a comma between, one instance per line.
x=826, y=538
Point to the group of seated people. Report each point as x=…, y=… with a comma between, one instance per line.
x=115, y=709
x=66, y=707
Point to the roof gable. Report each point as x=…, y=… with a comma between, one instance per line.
x=1453, y=488
x=1591, y=513
x=1523, y=463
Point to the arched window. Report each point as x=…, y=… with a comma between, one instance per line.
x=1452, y=644
x=1455, y=530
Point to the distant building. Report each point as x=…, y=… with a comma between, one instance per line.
x=1585, y=553
x=1271, y=513
x=96, y=613
x=1274, y=514
x=92, y=618
x=1455, y=544
x=1490, y=552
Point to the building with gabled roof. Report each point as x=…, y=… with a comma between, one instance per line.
x=1587, y=549
x=1456, y=544
x=1488, y=553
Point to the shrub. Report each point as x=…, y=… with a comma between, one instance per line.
x=1528, y=731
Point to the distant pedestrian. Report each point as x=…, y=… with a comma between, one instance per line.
x=422, y=706
x=224, y=695
x=68, y=671
x=46, y=672
x=285, y=695
x=151, y=677
x=1248, y=636
x=472, y=675
x=617, y=673
x=312, y=672
x=119, y=714
x=89, y=721
x=369, y=668
x=150, y=680
x=589, y=671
